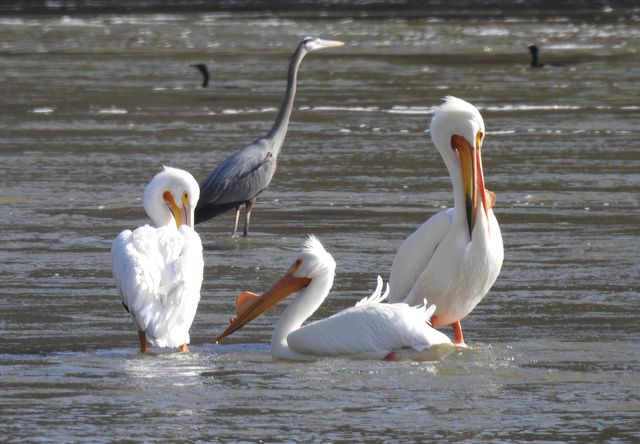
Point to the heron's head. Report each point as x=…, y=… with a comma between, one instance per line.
x=171, y=195
x=314, y=44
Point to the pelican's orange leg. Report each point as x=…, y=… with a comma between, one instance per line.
x=458, y=339
x=143, y=342
x=391, y=356
x=183, y=348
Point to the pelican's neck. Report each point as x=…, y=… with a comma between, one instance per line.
x=279, y=129
x=303, y=305
x=459, y=203
x=158, y=212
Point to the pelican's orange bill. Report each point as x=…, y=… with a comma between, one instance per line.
x=175, y=210
x=284, y=287
x=472, y=177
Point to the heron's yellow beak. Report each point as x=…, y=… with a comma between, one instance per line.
x=472, y=178
x=284, y=287
x=330, y=43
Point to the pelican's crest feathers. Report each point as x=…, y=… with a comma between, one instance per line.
x=455, y=105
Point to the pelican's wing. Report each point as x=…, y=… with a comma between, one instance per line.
x=416, y=252
x=240, y=177
x=158, y=272
x=372, y=330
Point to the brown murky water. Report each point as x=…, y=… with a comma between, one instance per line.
x=93, y=106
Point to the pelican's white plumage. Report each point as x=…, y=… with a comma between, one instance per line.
x=370, y=329
x=454, y=258
x=158, y=270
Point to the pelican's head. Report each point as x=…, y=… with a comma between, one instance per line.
x=314, y=261
x=171, y=196
x=313, y=44
x=457, y=130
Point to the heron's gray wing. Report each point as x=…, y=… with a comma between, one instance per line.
x=240, y=177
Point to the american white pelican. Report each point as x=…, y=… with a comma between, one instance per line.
x=158, y=270
x=370, y=329
x=454, y=258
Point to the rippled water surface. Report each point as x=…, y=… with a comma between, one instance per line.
x=94, y=105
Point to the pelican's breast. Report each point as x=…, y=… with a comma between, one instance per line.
x=461, y=273
x=159, y=274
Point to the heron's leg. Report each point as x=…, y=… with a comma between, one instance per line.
x=235, y=226
x=183, y=348
x=143, y=342
x=249, y=206
x=458, y=339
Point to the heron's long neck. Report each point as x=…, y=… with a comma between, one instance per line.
x=303, y=305
x=279, y=129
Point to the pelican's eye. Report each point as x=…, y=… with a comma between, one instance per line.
x=294, y=267
x=185, y=198
x=479, y=139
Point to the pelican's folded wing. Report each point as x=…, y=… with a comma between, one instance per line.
x=368, y=330
x=415, y=253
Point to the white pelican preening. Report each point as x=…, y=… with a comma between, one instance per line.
x=371, y=329
x=454, y=258
x=158, y=270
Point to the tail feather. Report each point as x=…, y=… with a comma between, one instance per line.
x=376, y=297
x=205, y=211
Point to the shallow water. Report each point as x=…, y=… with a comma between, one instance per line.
x=93, y=105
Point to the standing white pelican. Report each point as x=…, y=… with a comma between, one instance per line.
x=454, y=258
x=158, y=270
x=370, y=329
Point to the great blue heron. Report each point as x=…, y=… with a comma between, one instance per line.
x=242, y=176
x=204, y=70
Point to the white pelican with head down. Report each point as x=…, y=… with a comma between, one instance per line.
x=158, y=270
x=454, y=258
x=371, y=329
